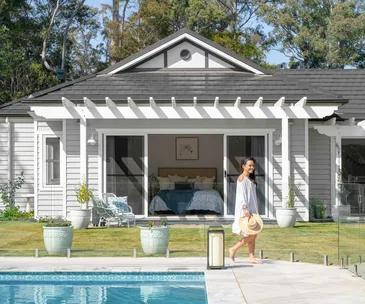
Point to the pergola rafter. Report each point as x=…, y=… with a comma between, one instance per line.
x=216, y=110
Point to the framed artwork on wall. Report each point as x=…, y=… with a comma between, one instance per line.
x=187, y=148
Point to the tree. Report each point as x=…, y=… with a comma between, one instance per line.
x=224, y=21
x=317, y=33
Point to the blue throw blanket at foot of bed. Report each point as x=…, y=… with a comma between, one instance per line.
x=177, y=200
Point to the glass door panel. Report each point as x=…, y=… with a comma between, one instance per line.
x=238, y=148
x=125, y=169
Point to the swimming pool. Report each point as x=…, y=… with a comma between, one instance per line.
x=102, y=287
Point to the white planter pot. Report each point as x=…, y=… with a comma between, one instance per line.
x=286, y=217
x=57, y=239
x=80, y=218
x=155, y=240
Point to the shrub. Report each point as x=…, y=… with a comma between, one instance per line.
x=7, y=191
x=316, y=208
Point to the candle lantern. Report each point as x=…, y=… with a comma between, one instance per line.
x=215, y=246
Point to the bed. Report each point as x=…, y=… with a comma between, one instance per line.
x=187, y=201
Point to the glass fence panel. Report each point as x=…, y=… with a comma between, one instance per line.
x=108, y=233
x=351, y=245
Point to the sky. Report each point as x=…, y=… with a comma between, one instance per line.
x=273, y=57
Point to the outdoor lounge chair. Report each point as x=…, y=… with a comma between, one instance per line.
x=106, y=213
x=121, y=206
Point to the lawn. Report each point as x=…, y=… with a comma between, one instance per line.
x=309, y=241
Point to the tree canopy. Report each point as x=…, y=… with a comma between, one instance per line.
x=318, y=33
x=312, y=33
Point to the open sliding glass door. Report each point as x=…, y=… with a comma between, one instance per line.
x=125, y=169
x=236, y=149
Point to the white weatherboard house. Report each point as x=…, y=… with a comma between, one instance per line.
x=190, y=109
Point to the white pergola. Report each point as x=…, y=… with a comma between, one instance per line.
x=88, y=110
x=337, y=131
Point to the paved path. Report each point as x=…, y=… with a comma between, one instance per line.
x=273, y=282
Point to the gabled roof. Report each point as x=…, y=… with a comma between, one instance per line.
x=350, y=83
x=178, y=37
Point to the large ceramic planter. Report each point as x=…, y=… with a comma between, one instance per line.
x=80, y=218
x=57, y=239
x=155, y=240
x=286, y=217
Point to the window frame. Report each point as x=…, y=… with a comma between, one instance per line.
x=43, y=165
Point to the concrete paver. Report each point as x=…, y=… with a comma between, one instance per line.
x=273, y=282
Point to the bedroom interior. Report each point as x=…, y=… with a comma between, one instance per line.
x=187, y=173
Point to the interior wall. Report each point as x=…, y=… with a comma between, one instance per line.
x=162, y=153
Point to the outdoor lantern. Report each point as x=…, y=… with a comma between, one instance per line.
x=215, y=246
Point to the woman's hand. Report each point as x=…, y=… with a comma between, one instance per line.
x=245, y=211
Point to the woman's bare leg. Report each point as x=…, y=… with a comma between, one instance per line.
x=251, y=252
x=244, y=241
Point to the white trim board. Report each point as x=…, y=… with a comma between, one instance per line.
x=184, y=112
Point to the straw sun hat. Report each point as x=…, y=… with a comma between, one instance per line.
x=251, y=225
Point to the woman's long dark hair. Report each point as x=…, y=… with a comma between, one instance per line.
x=252, y=175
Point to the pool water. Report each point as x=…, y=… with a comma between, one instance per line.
x=102, y=288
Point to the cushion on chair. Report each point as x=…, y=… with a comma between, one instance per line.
x=120, y=203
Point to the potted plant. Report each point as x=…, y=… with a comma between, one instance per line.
x=155, y=238
x=57, y=235
x=80, y=218
x=287, y=215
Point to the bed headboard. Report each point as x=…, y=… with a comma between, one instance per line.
x=189, y=172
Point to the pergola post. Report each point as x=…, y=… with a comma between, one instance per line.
x=285, y=174
x=83, y=150
x=338, y=168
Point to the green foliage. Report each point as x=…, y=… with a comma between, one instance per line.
x=292, y=194
x=225, y=22
x=157, y=224
x=316, y=208
x=317, y=33
x=7, y=191
x=23, y=26
x=83, y=194
x=13, y=213
x=55, y=222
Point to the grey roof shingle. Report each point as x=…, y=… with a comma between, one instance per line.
x=186, y=85
x=350, y=83
x=14, y=108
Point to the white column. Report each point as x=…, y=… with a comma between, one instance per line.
x=10, y=152
x=64, y=166
x=338, y=166
x=285, y=165
x=100, y=163
x=83, y=149
x=306, y=169
x=35, y=127
x=145, y=184
x=225, y=179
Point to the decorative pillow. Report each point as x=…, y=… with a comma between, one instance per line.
x=204, y=183
x=178, y=179
x=165, y=183
x=183, y=186
x=119, y=203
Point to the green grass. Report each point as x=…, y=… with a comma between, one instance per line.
x=309, y=241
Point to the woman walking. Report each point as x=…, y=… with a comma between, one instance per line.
x=246, y=205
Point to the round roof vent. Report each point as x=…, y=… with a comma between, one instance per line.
x=185, y=54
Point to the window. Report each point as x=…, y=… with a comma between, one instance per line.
x=52, y=158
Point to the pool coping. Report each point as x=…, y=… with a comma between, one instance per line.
x=273, y=282
x=213, y=278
